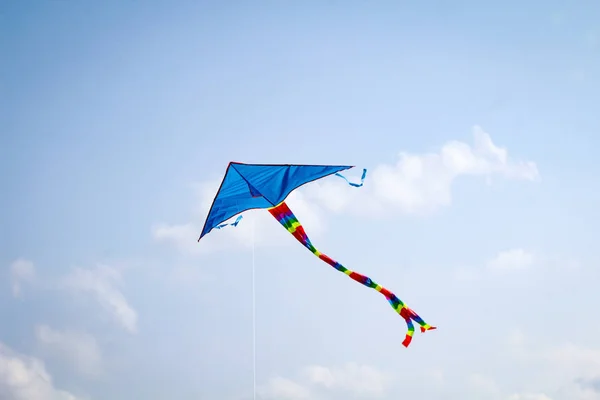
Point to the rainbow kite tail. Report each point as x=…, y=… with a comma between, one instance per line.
x=409, y=316
x=286, y=217
x=409, y=334
x=405, y=312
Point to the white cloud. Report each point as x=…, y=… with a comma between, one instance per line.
x=484, y=386
x=516, y=338
x=422, y=183
x=557, y=372
x=283, y=389
x=80, y=349
x=187, y=276
x=593, y=384
x=21, y=271
x=318, y=382
x=582, y=362
x=102, y=282
x=438, y=376
x=579, y=392
x=564, y=372
x=354, y=378
x=529, y=396
x=179, y=235
x=26, y=378
x=511, y=260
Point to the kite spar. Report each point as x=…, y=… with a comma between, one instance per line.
x=258, y=186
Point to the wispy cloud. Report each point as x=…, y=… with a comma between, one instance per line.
x=351, y=380
x=422, y=183
x=284, y=389
x=528, y=396
x=354, y=378
x=80, y=349
x=505, y=261
x=26, y=378
x=21, y=271
x=511, y=260
x=103, y=283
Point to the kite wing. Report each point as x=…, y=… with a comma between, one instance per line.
x=250, y=186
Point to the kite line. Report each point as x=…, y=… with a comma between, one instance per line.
x=253, y=314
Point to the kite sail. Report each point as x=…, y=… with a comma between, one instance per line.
x=254, y=186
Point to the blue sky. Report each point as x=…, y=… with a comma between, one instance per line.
x=118, y=120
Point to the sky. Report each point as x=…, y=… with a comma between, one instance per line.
x=478, y=125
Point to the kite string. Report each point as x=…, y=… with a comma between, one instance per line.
x=253, y=317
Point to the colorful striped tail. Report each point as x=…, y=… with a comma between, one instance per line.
x=284, y=215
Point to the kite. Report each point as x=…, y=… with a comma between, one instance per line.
x=266, y=186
